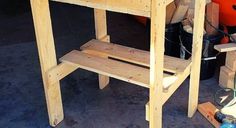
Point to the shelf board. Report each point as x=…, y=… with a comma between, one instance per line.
x=225, y=47
x=132, y=55
x=113, y=68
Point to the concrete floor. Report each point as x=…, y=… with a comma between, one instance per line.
x=120, y=105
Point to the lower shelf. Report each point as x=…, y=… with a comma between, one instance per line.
x=114, y=68
x=132, y=55
x=93, y=57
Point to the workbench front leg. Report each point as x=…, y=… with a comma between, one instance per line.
x=47, y=56
x=196, y=56
x=101, y=34
x=157, y=62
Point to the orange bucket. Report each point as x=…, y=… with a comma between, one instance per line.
x=140, y=19
x=227, y=12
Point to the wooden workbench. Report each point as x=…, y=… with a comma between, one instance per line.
x=162, y=75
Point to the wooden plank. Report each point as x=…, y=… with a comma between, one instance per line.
x=230, y=61
x=157, y=62
x=100, y=20
x=135, y=7
x=132, y=55
x=47, y=56
x=226, y=47
x=181, y=78
x=59, y=72
x=212, y=15
x=167, y=94
x=177, y=2
x=169, y=2
x=226, y=78
x=196, y=56
x=192, y=4
x=179, y=13
x=116, y=69
x=170, y=10
x=208, y=110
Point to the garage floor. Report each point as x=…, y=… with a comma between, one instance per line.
x=120, y=105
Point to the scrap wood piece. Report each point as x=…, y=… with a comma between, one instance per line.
x=226, y=78
x=230, y=61
x=212, y=15
x=177, y=2
x=192, y=4
x=184, y=2
x=225, y=47
x=170, y=10
x=208, y=110
x=190, y=15
x=179, y=13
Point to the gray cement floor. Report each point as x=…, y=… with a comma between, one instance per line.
x=120, y=105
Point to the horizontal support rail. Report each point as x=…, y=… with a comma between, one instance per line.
x=170, y=91
x=59, y=72
x=134, y=7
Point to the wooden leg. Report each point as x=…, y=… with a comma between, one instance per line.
x=101, y=33
x=157, y=62
x=47, y=56
x=196, y=56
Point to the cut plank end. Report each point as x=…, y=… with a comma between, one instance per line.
x=225, y=47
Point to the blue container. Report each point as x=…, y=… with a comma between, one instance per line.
x=228, y=125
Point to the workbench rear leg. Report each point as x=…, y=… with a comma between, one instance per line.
x=47, y=56
x=101, y=34
x=196, y=56
x=157, y=62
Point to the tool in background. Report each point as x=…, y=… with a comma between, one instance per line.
x=226, y=120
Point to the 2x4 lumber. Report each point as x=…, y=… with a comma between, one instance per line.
x=226, y=47
x=170, y=10
x=113, y=68
x=208, y=110
x=230, y=61
x=179, y=13
x=59, y=72
x=166, y=95
x=212, y=15
x=157, y=62
x=135, y=7
x=47, y=56
x=196, y=56
x=132, y=55
x=101, y=32
x=181, y=77
x=226, y=79
x=168, y=2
